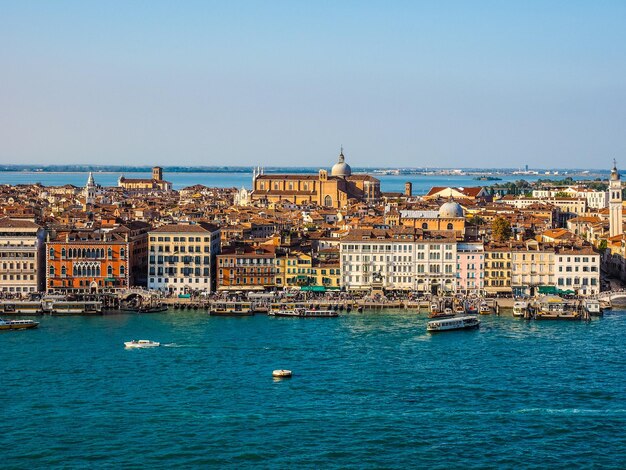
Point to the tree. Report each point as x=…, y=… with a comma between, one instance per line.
x=501, y=229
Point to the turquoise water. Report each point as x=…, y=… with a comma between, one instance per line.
x=421, y=183
x=369, y=390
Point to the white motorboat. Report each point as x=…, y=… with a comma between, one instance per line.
x=519, y=309
x=456, y=323
x=141, y=343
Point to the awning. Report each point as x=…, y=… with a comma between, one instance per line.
x=313, y=288
x=547, y=290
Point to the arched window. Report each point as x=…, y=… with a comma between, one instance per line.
x=51, y=252
x=110, y=270
x=88, y=271
x=110, y=253
x=122, y=270
x=328, y=201
x=424, y=225
x=122, y=252
x=63, y=252
x=450, y=227
x=97, y=271
x=51, y=270
x=63, y=270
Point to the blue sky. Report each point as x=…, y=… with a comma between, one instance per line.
x=450, y=84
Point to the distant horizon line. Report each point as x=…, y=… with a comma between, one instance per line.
x=224, y=168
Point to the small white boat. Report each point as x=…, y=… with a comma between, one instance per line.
x=141, y=343
x=520, y=309
x=484, y=308
x=281, y=373
x=459, y=309
x=457, y=323
x=447, y=311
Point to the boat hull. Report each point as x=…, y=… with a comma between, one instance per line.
x=470, y=327
x=231, y=314
x=18, y=326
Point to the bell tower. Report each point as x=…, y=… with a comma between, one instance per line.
x=615, y=203
x=157, y=173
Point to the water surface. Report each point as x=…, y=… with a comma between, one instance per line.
x=369, y=390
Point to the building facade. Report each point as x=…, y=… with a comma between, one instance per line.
x=334, y=190
x=181, y=258
x=399, y=258
x=88, y=262
x=156, y=183
x=470, y=269
x=21, y=256
x=246, y=268
x=532, y=268
x=497, y=269
x=577, y=269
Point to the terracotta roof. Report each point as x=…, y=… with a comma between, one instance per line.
x=6, y=222
x=201, y=227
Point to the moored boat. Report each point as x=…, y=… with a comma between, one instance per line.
x=231, y=309
x=17, y=324
x=141, y=343
x=304, y=313
x=520, y=309
x=457, y=323
x=552, y=307
x=592, y=306
x=484, y=308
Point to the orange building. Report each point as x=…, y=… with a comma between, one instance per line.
x=97, y=261
x=246, y=268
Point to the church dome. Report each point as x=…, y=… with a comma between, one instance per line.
x=450, y=209
x=341, y=168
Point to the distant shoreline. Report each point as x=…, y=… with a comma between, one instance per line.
x=489, y=174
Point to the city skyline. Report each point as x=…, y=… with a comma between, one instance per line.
x=284, y=84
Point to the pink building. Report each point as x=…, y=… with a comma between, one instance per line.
x=470, y=268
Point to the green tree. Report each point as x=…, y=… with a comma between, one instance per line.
x=501, y=229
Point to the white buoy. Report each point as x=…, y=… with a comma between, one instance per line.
x=281, y=373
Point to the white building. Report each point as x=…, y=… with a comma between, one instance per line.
x=578, y=269
x=182, y=257
x=21, y=256
x=595, y=199
x=401, y=258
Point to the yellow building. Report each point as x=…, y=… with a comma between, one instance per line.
x=497, y=268
x=294, y=269
x=334, y=190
